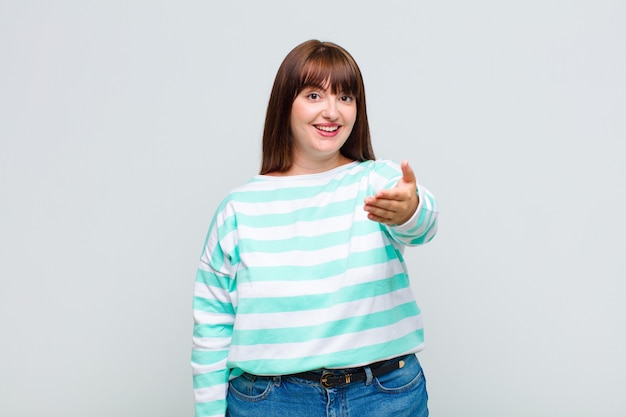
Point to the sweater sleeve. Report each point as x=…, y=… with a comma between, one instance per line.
x=214, y=307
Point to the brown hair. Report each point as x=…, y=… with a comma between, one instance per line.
x=313, y=63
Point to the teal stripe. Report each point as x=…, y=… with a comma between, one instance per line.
x=212, y=408
x=215, y=280
x=421, y=219
x=210, y=379
x=319, y=301
x=432, y=213
x=210, y=305
x=391, y=173
x=340, y=359
x=309, y=214
x=208, y=357
x=236, y=372
x=217, y=258
x=319, y=271
x=426, y=220
x=310, y=243
x=212, y=330
x=339, y=327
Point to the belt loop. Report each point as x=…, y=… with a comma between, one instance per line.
x=277, y=380
x=368, y=375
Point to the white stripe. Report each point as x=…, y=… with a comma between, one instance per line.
x=379, y=182
x=212, y=343
x=325, y=346
x=346, y=193
x=260, y=321
x=212, y=318
x=227, y=244
x=211, y=293
x=265, y=182
x=354, y=276
x=212, y=393
x=304, y=229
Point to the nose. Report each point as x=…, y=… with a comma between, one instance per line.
x=330, y=111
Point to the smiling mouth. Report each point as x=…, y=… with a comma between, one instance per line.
x=327, y=128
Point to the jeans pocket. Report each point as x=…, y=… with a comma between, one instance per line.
x=403, y=379
x=250, y=388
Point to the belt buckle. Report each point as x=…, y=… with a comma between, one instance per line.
x=324, y=379
x=347, y=378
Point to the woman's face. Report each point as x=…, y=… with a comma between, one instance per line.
x=321, y=123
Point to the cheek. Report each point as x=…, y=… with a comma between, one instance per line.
x=351, y=111
x=352, y=117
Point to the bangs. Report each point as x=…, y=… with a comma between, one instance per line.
x=328, y=68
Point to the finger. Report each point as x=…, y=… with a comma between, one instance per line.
x=400, y=192
x=388, y=203
x=408, y=176
x=380, y=219
x=379, y=211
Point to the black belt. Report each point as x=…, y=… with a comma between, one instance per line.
x=329, y=379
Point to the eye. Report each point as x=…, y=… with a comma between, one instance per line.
x=313, y=96
x=346, y=99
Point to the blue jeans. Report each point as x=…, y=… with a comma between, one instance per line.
x=400, y=393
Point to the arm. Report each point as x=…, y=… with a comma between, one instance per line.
x=214, y=315
x=409, y=211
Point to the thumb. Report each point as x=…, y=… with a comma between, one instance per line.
x=408, y=176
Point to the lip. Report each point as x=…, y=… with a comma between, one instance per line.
x=326, y=133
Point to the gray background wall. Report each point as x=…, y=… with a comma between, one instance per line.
x=123, y=123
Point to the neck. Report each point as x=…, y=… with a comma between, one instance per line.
x=303, y=167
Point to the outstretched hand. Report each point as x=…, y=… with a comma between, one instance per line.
x=395, y=205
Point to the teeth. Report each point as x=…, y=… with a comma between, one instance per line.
x=327, y=128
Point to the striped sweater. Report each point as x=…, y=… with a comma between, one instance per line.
x=294, y=277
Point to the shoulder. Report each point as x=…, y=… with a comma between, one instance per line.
x=382, y=167
x=243, y=193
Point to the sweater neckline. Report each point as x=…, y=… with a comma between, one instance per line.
x=307, y=176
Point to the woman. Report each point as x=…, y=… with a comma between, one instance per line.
x=302, y=303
